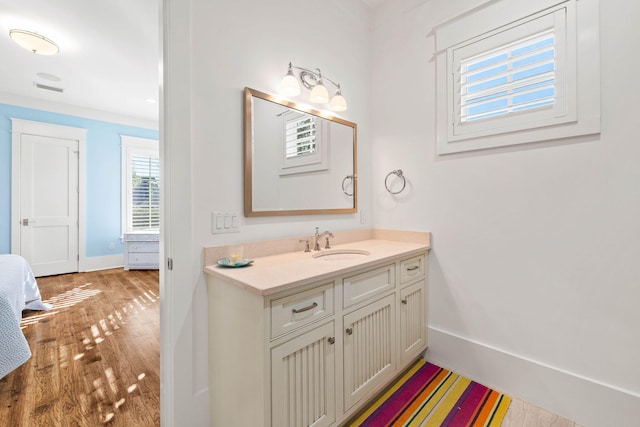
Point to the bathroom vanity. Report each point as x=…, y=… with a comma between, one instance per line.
x=308, y=338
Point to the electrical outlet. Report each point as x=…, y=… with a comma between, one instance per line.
x=363, y=218
x=112, y=246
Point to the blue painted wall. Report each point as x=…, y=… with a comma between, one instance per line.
x=103, y=201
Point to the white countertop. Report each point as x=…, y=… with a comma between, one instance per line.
x=270, y=274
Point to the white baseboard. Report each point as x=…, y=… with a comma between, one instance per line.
x=586, y=401
x=101, y=263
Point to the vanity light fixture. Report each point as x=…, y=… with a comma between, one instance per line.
x=34, y=42
x=314, y=81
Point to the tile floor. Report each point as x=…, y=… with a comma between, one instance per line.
x=524, y=414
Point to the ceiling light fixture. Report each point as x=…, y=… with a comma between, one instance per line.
x=314, y=81
x=47, y=87
x=49, y=77
x=34, y=42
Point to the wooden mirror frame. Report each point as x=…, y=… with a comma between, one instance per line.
x=248, y=158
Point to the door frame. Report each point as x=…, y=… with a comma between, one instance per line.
x=20, y=127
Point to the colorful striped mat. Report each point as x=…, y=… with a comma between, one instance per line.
x=428, y=395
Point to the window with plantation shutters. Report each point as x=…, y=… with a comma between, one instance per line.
x=304, y=147
x=140, y=184
x=519, y=82
x=145, y=192
x=300, y=137
x=512, y=80
x=519, y=77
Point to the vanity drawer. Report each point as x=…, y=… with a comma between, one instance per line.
x=366, y=285
x=412, y=268
x=300, y=309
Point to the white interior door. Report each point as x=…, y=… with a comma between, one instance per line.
x=46, y=206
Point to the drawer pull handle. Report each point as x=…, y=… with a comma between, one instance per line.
x=404, y=301
x=331, y=340
x=349, y=331
x=307, y=308
x=414, y=268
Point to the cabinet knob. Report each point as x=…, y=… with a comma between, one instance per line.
x=331, y=340
x=349, y=331
x=404, y=301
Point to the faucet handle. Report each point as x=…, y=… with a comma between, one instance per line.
x=306, y=246
x=327, y=245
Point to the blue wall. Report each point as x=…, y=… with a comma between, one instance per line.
x=102, y=180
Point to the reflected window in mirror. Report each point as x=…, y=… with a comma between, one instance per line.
x=300, y=136
x=304, y=143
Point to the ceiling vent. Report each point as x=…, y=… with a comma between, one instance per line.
x=51, y=88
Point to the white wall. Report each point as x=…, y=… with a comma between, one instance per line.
x=213, y=50
x=534, y=273
x=249, y=43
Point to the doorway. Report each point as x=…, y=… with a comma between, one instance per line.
x=47, y=225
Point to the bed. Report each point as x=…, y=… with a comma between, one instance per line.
x=18, y=291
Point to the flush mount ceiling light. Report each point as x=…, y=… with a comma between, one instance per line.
x=34, y=42
x=49, y=77
x=314, y=81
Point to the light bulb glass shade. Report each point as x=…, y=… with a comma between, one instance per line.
x=34, y=42
x=338, y=103
x=319, y=94
x=289, y=85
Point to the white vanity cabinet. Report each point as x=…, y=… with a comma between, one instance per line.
x=413, y=317
x=315, y=353
x=303, y=372
x=369, y=324
x=369, y=349
x=303, y=368
x=413, y=308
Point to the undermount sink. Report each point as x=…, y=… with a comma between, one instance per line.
x=341, y=254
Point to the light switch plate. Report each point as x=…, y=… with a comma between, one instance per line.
x=225, y=222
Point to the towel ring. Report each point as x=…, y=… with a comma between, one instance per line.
x=343, y=182
x=399, y=173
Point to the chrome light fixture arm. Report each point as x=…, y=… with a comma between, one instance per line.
x=315, y=76
x=314, y=81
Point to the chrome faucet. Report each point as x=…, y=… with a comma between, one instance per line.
x=318, y=236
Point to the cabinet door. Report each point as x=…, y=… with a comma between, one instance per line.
x=303, y=380
x=413, y=320
x=369, y=349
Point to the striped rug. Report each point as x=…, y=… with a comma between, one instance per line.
x=428, y=395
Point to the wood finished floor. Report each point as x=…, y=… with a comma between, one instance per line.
x=96, y=354
x=96, y=357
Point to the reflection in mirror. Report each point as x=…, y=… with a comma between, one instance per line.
x=296, y=161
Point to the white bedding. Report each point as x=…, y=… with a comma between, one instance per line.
x=18, y=291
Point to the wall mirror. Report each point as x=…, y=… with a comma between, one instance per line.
x=297, y=161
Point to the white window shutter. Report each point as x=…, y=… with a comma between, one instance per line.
x=518, y=83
